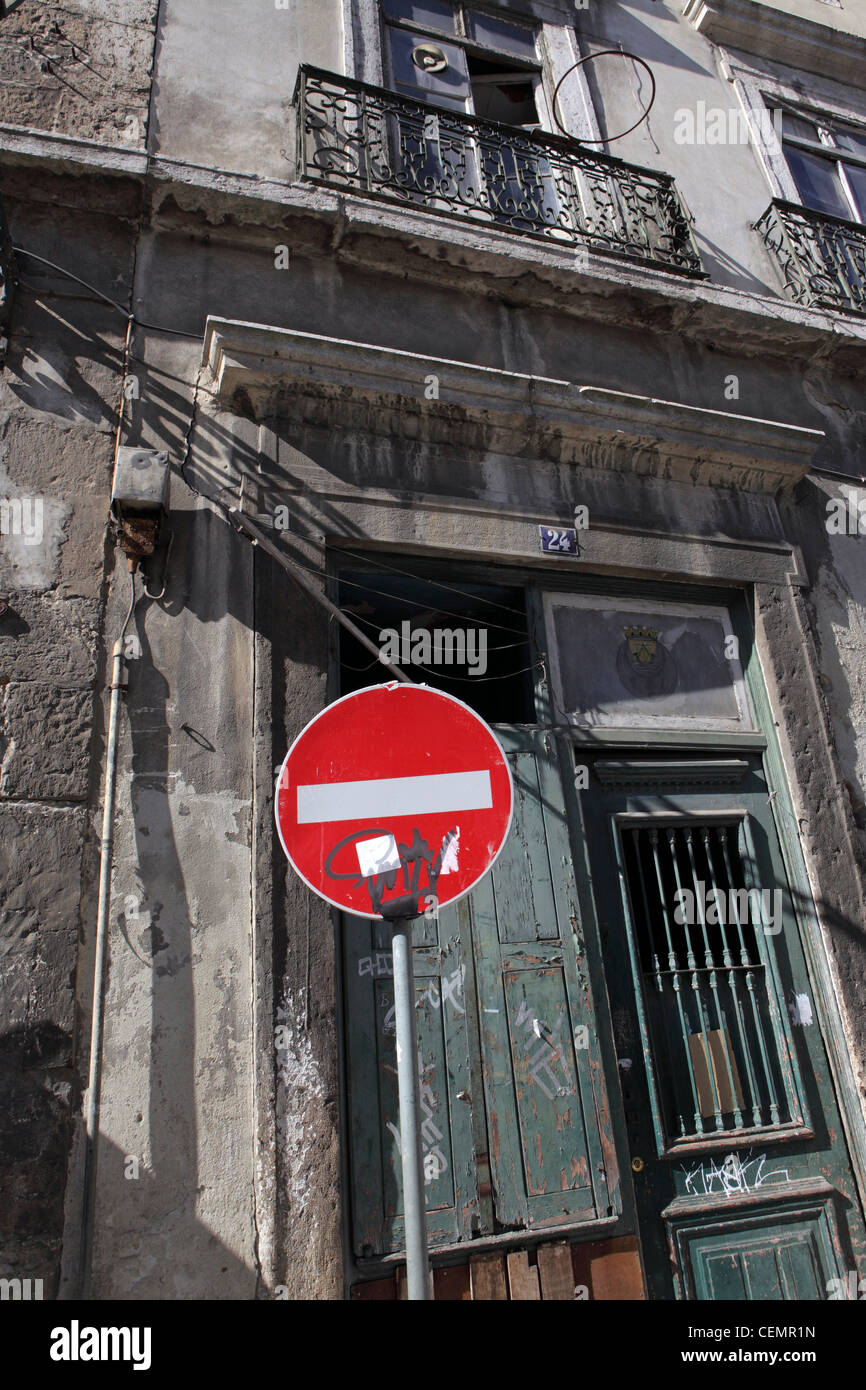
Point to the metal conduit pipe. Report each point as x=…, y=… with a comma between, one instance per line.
x=117, y=684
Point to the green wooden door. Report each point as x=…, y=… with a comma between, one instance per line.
x=742, y=1181
x=516, y=1130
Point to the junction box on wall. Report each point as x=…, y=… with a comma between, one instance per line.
x=140, y=500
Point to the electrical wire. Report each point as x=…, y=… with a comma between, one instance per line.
x=476, y=598
x=100, y=294
x=129, y=611
x=359, y=670
x=323, y=574
x=416, y=603
x=835, y=473
x=378, y=627
x=320, y=574
x=161, y=593
x=477, y=680
x=22, y=251
x=446, y=676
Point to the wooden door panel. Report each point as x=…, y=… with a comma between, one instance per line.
x=790, y=1248
x=729, y=1107
x=444, y=1077
x=545, y=1098
x=516, y=1129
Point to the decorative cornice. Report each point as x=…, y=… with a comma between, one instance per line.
x=262, y=371
x=781, y=36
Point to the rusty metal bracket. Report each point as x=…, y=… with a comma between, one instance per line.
x=136, y=536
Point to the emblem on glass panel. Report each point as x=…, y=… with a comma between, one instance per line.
x=644, y=664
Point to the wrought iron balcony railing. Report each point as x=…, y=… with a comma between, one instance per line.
x=384, y=145
x=822, y=258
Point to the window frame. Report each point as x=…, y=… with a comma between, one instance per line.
x=462, y=39
x=761, y=91
x=557, y=46
x=826, y=148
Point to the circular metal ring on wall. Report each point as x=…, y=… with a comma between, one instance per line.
x=603, y=53
x=429, y=58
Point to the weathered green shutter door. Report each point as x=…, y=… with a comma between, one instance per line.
x=547, y=1115
x=443, y=1061
x=508, y=1050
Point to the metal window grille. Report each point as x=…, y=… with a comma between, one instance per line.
x=700, y=946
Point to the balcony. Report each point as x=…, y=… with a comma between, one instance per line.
x=383, y=145
x=822, y=258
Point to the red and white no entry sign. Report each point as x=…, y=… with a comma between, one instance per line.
x=391, y=796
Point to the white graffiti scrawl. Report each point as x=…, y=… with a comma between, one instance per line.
x=435, y=1163
x=548, y=1055
x=447, y=990
x=733, y=1174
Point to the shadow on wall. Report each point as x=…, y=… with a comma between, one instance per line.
x=720, y=266
x=154, y=1205
x=150, y=1239
x=39, y=1098
x=38, y=1094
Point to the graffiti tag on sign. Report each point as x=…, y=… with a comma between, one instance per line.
x=394, y=857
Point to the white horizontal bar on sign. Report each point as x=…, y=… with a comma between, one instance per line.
x=395, y=796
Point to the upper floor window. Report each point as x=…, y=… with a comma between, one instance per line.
x=464, y=59
x=827, y=163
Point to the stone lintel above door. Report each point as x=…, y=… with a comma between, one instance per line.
x=308, y=378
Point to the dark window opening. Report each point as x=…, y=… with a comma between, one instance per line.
x=502, y=92
x=470, y=640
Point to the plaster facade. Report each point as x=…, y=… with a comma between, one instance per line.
x=168, y=179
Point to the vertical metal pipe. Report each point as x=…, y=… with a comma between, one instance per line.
x=94, y=1080
x=414, y=1206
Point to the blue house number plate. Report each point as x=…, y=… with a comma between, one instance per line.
x=563, y=540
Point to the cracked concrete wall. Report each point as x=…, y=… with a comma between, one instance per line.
x=58, y=395
x=82, y=68
x=300, y=1188
x=219, y=1165
x=175, y=1214
x=225, y=75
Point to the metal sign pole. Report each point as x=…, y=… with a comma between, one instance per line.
x=414, y=1206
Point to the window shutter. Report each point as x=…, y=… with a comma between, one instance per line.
x=443, y=1063
x=501, y=980
x=547, y=1113
x=446, y=87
